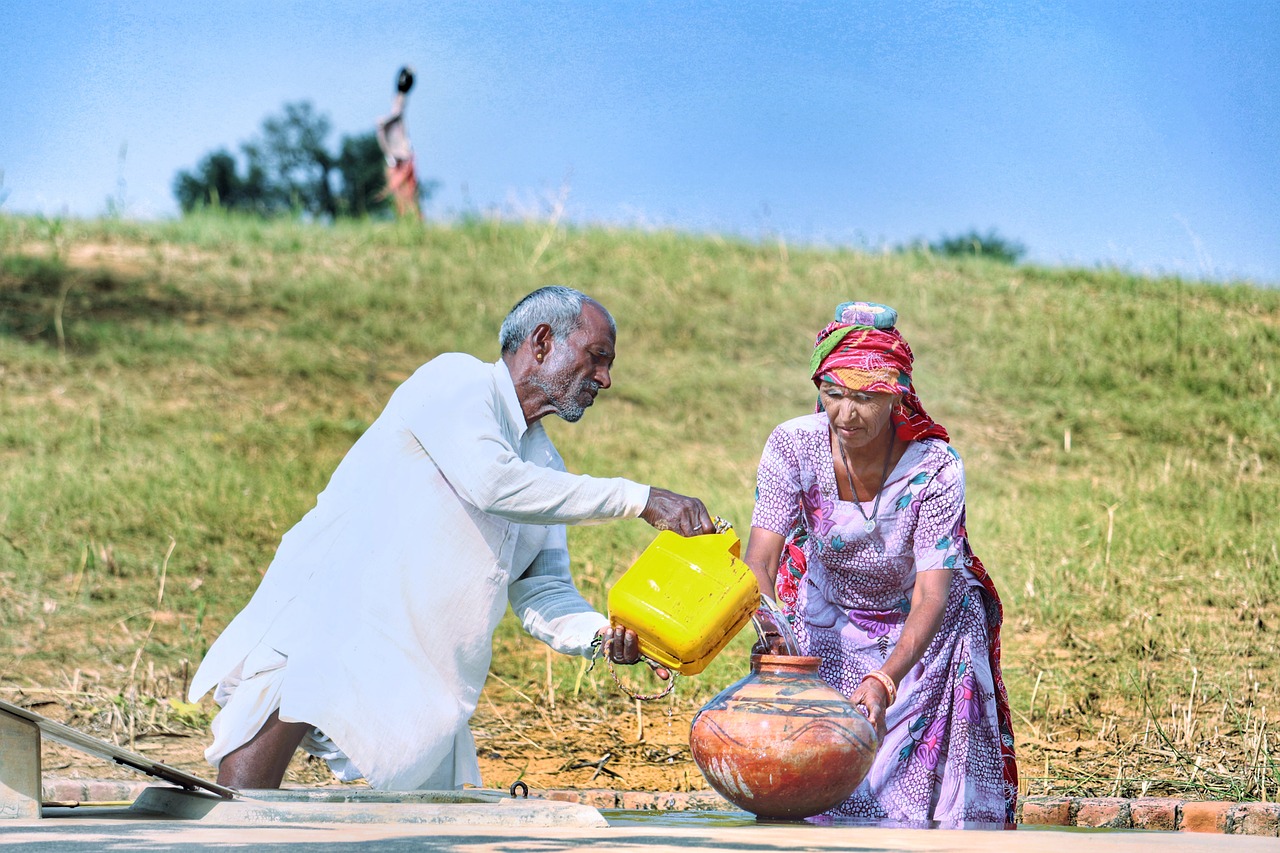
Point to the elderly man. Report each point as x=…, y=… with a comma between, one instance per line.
x=370, y=636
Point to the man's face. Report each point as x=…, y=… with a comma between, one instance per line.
x=578, y=367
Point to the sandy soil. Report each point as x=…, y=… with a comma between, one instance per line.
x=572, y=746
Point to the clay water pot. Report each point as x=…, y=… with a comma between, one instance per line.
x=781, y=743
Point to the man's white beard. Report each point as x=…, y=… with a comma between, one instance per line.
x=564, y=392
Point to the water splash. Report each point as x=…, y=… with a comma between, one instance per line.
x=773, y=629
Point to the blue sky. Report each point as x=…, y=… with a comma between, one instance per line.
x=1142, y=135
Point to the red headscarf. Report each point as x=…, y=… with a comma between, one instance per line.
x=862, y=350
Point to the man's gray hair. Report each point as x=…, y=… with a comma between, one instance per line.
x=559, y=307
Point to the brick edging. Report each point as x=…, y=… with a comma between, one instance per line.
x=1159, y=813
x=1165, y=813
x=56, y=790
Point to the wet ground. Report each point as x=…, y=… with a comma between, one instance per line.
x=524, y=831
x=651, y=835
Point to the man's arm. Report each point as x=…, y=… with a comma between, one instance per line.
x=491, y=477
x=456, y=417
x=392, y=138
x=548, y=604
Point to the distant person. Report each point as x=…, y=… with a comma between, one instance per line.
x=393, y=139
x=859, y=529
x=370, y=636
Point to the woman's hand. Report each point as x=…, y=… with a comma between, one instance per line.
x=928, y=603
x=872, y=698
x=621, y=645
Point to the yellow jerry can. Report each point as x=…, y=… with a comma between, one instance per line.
x=686, y=598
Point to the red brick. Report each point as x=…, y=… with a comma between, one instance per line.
x=708, y=801
x=110, y=790
x=1256, y=819
x=1205, y=817
x=1103, y=811
x=598, y=798
x=562, y=795
x=1046, y=811
x=673, y=801
x=638, y=800
x=1154, y=813
x=92, y=790
x=62, y=791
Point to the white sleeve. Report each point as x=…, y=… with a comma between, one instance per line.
x=548, y=604
x=457, y=424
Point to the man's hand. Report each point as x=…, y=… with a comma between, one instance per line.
x=621, y=645
x=669, y=511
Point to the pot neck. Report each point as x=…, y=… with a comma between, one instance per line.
x=785, y=663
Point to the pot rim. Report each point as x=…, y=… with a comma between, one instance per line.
x=805, y=661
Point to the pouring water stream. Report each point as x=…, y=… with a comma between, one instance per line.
x=773, y=629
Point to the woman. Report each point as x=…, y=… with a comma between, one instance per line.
x=861, y=505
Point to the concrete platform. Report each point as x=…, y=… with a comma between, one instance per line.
x=339, y=806
x=89, y=835
x=329, y=819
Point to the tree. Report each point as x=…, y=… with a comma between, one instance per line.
x=216, y=183
x=289, y=168
x=292, y=151
x=972, y=244
x=363, y=180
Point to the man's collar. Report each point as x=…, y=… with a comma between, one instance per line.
x=507, y=388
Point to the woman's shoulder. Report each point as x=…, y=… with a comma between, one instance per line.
x=936, y=448
x=810, y=424
x=797, y=438
x=934, y=457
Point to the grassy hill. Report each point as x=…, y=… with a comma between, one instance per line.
x=174, y=395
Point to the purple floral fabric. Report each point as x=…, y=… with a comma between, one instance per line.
x=941, y=758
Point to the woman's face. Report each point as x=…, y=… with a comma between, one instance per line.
x=858, y=418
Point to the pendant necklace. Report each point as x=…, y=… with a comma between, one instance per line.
x=869, y=522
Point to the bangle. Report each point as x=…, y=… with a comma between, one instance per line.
x=890, y=689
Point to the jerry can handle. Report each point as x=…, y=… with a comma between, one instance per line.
x=644, y=697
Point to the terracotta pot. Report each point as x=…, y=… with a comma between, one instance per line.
x=782, y=744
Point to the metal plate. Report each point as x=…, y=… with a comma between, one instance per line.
x=63, y=734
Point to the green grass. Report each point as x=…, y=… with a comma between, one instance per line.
x=198, y=380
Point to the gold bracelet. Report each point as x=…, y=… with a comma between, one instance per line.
x=890, y=689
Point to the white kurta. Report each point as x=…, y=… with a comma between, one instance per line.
x=385, y=596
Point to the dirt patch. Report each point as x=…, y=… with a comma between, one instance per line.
x=572, y=746
x=125, y=259
x=1074, y=737
x=583, y=747
x=575, y=745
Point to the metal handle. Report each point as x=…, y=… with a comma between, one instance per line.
x=644, y=697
